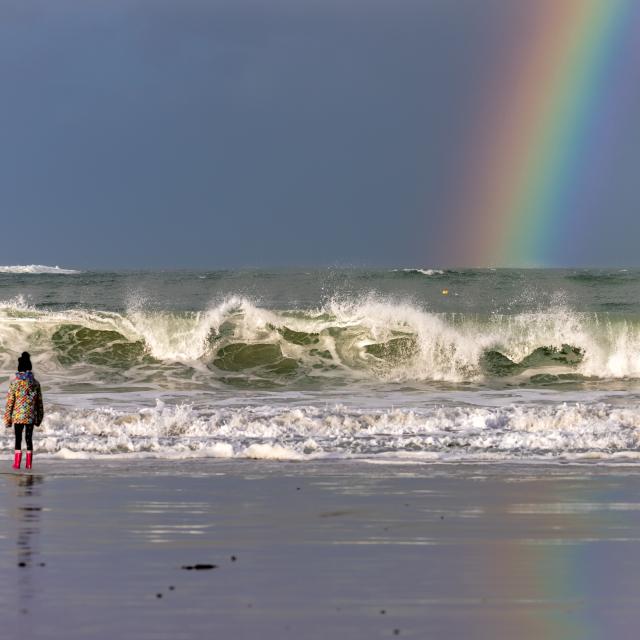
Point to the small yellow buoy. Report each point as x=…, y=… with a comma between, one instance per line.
x=445, y=292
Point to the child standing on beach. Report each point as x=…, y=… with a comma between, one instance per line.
x=24, y=408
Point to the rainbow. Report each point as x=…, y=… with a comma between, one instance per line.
x=552, y=110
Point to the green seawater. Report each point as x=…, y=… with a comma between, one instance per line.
x=329, y=328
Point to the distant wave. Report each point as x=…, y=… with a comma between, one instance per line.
x=621, y=276
x=424, y=272
x=36, y=268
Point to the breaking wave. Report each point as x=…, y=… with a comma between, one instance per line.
x=242, y=344
x=423, y=272
x=37, y=269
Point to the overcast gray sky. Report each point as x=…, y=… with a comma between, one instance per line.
x=224, y=133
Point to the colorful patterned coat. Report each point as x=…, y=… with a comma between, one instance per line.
x=24, y=401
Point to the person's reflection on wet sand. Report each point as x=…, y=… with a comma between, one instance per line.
x=26, y=515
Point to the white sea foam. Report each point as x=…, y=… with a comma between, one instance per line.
x=424, y=272
x=36, y=269
x=599, y=431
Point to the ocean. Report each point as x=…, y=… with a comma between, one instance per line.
x=386, y=365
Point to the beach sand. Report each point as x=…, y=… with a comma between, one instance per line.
x=93, y=549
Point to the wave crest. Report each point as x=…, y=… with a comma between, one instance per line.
x=243, y=344
x=423, y=272
x=37, y=269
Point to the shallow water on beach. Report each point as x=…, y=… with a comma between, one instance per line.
x=419, y=364
x=98, y=550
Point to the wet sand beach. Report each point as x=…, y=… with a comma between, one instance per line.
x=99, y=550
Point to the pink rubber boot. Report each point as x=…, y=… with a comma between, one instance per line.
x=17, y=459
x=29, y=459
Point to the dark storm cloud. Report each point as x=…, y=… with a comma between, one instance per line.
x=194, y=133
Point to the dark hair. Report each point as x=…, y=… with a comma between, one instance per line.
x=24, y=362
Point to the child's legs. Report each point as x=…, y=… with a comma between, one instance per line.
x=18, y=429
x=28, y=435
